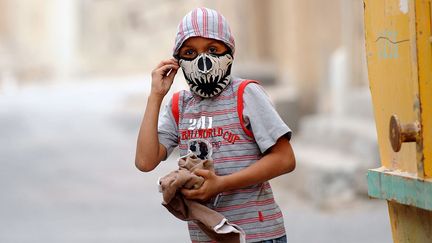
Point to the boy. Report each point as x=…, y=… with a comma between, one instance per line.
x=249, y=143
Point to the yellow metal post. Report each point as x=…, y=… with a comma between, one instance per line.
x=424, y=57
x=399, y=57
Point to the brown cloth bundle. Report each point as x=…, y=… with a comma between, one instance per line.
x=214, y=224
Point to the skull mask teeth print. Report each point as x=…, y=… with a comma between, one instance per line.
x=207, y=74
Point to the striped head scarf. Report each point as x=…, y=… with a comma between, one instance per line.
x=204, y=22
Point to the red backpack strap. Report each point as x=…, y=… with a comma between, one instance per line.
x=175, y=107
x=240, y=106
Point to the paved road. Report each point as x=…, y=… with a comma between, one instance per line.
x=67, y=175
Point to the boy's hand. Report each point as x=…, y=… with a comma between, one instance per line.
x=211, y=187
x=163, y=77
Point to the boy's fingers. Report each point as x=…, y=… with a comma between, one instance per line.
x=172, y=73
x=194, y=194
x=185, y=192
x=165, y=68
x=188, y=193
x=203, y=173
x=165, y=62
x=171, y=66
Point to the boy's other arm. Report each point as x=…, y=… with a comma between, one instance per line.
x=150, y=152
x=278, y=160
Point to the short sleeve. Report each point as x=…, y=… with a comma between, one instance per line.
x=262, y=118
x=167, y=129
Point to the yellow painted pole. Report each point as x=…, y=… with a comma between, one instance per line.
x=423, y=10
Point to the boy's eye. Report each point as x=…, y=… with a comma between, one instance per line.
x=212, y=49
x=189, y=52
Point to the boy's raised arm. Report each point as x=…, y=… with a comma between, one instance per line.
x=149, y=151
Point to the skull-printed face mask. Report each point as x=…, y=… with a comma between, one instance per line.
x=207, y=74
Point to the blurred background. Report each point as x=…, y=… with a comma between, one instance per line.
x=74, y=80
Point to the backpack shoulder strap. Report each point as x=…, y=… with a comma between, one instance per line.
x=240, y=105
x=175, y=107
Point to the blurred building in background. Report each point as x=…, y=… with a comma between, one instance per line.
x=285, y=41
x=309, y=55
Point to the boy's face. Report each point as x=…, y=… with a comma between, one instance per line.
x=206, y=65
x=194, y=46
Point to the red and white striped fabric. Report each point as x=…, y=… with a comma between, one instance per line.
x=204, y=22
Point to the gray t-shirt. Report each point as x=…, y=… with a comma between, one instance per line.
x=259, y=116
